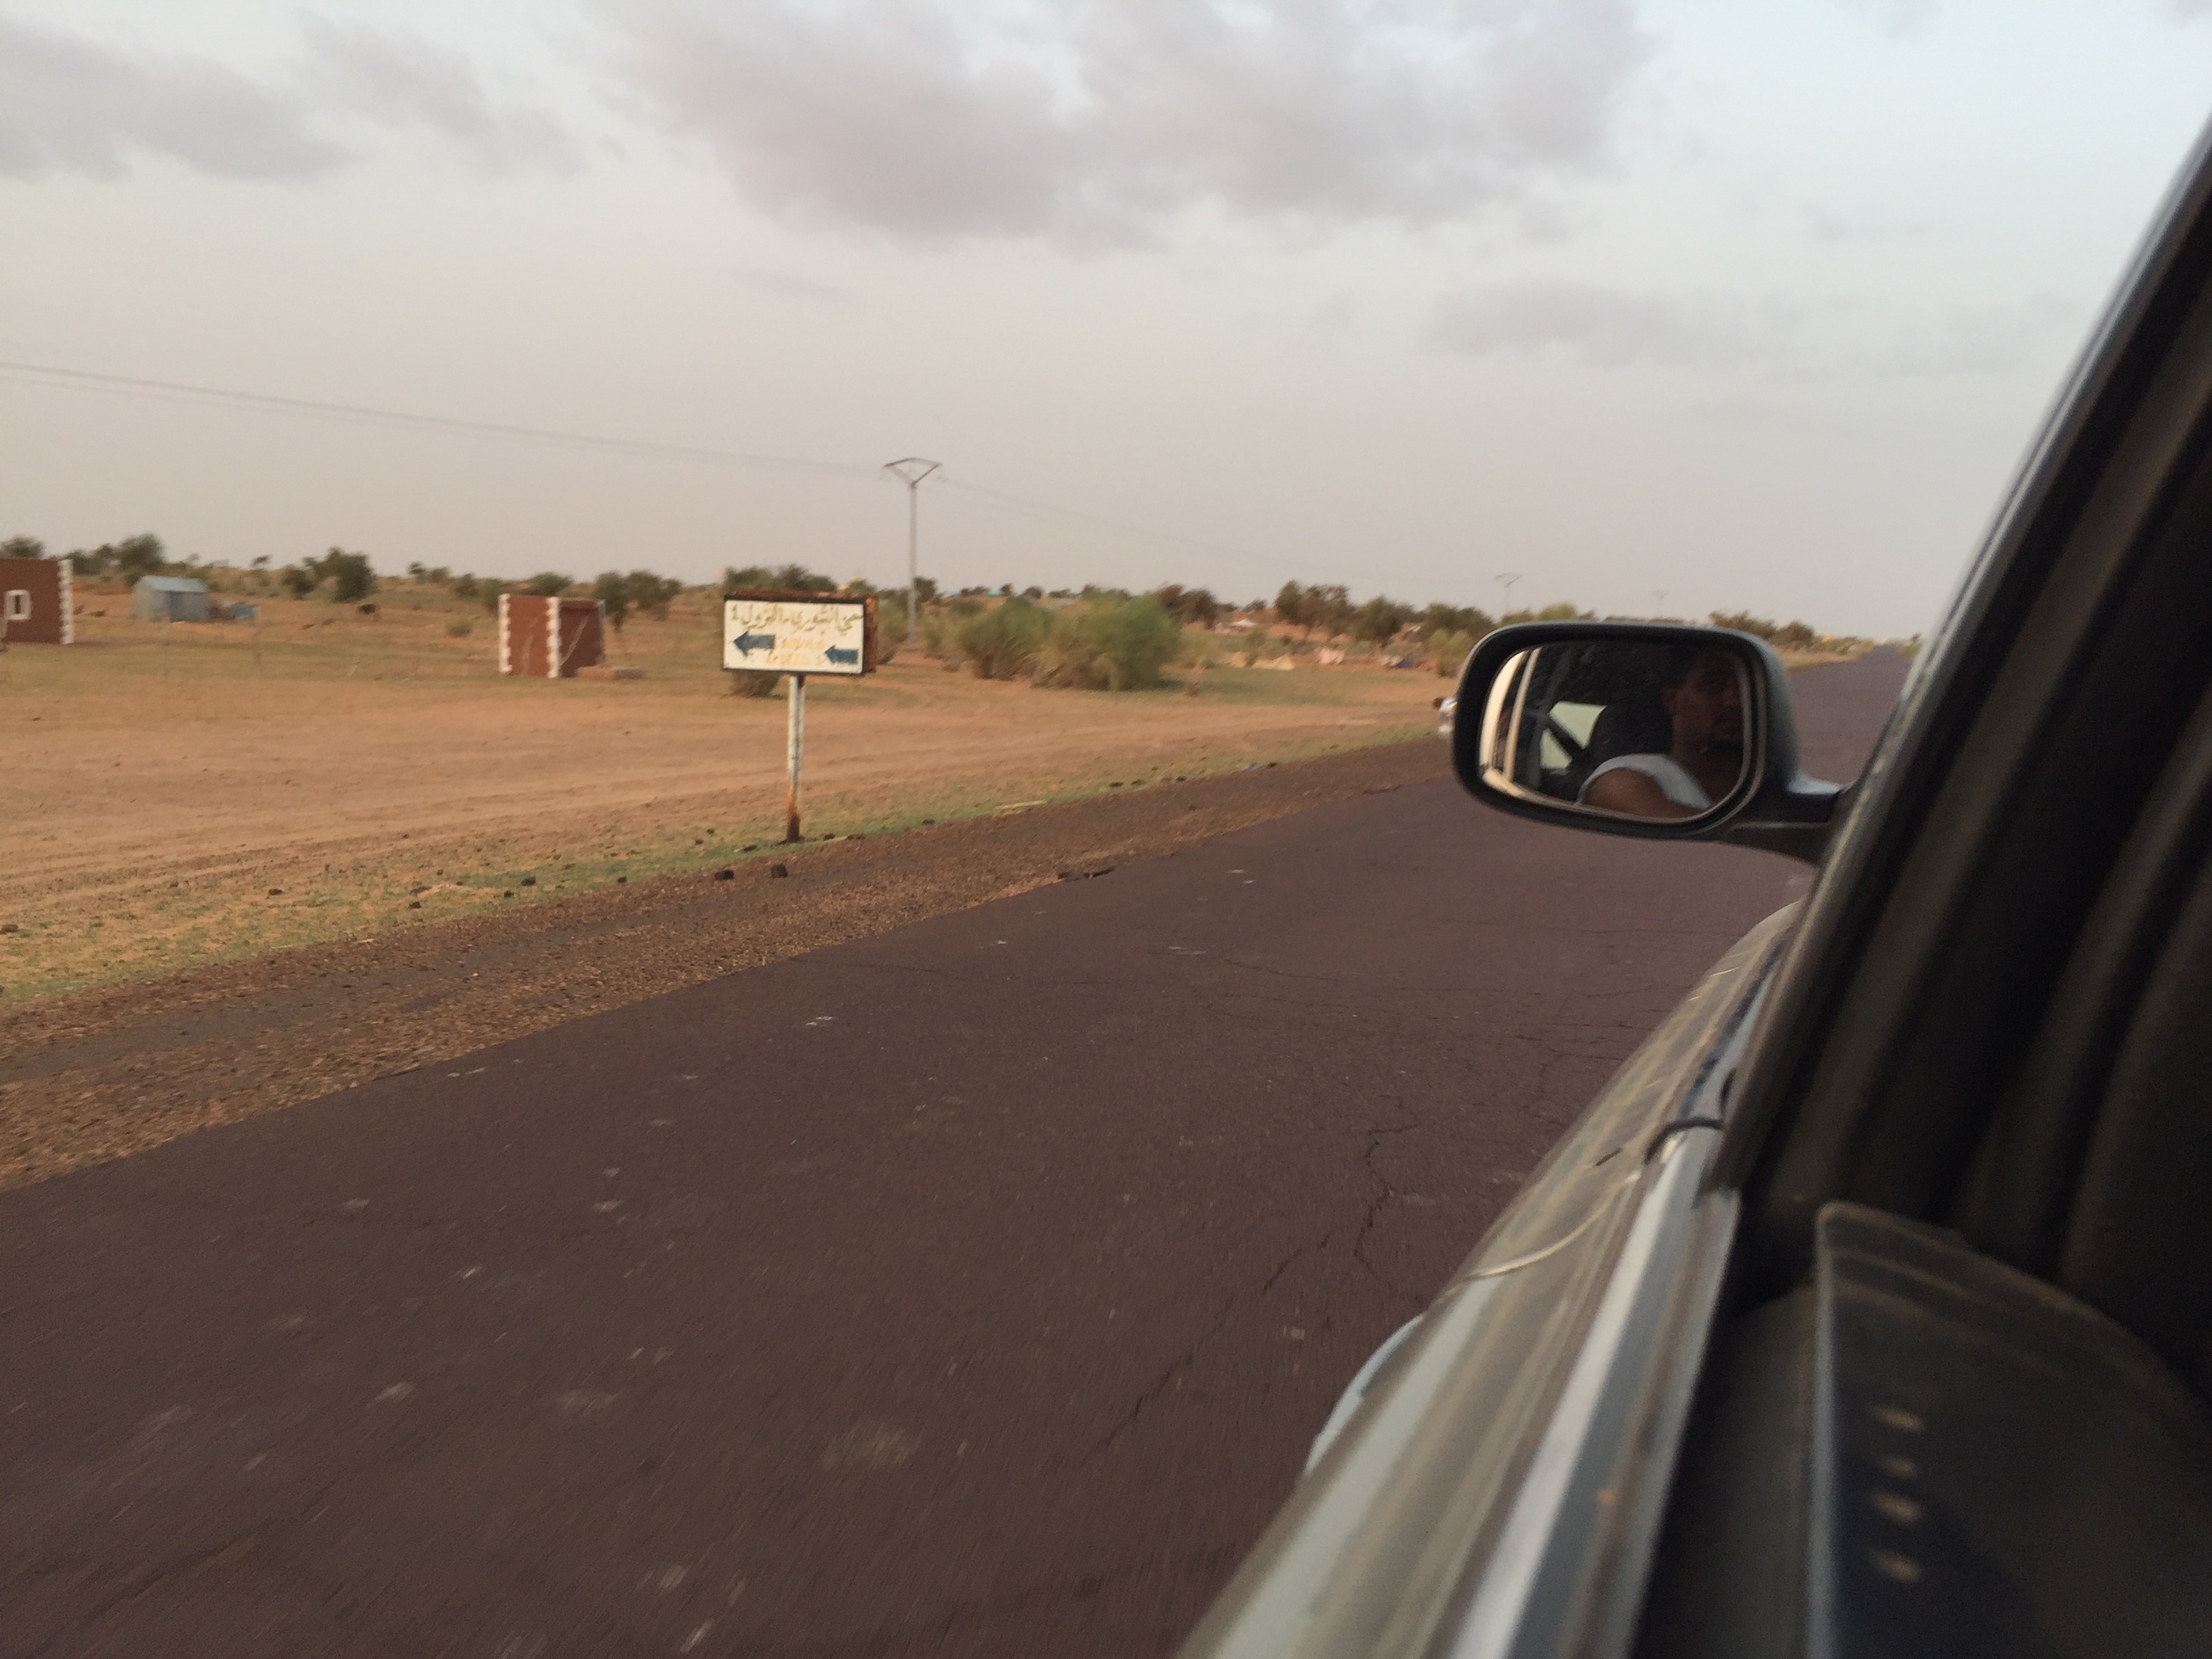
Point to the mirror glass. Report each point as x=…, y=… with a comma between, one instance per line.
x=1619, y=728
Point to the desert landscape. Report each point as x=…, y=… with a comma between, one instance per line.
x=191, y=792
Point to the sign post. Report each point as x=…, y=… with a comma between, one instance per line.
x=794, y=751
x=796, y=634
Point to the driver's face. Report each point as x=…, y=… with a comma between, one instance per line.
x=1707, y=706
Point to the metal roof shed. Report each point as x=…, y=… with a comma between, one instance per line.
x=169, y=598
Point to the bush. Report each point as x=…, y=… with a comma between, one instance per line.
x=753, y=683
x=652, y=595
x=1450, y=651
x=787, y=578
x=611, y=590
x=297, y=583
x=1379, y=619
x=460, y=629
x=1002, y=644
x=1448, y=619
x=1783, y=636
x=940, y=630
x=1189, y=605
x=348, y=573
x=549, y=584
x=1110, y=645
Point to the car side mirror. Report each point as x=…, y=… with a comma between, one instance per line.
x=1639, y=729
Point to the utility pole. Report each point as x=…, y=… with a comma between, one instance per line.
x=912, y=469
x=1505, y=579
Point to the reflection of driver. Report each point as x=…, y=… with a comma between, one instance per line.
x=1703, y=699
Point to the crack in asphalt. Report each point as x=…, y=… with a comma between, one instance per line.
x=1159, y=1384
x=1383, y=1193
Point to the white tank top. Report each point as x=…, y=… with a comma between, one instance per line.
x=1674, y=780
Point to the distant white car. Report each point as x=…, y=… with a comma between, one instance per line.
x=1446, y=707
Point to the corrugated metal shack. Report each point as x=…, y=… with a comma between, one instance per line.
x=169, y=598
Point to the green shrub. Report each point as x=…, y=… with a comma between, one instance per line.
x=549, y=584
x=753, y=683
x=1002, y=644
x=460, y=628
x=940, y=629
x=1108, y=645
x=1450, y=651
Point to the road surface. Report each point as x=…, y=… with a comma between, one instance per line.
x=972, y=1289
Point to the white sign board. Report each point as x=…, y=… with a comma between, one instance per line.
x=793, y=635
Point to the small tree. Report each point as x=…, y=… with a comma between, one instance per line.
x=22, y=547
x=1329, y=609
x=1380, y=619
x=789, y=578
x=1291, y=605
x=297, y=583
x=549, y=584
x=350, y=574
x=1189, y=605
x=613, y=591
x=137, y=556
x=650, y=594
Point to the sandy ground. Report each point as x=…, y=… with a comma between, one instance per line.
x=210, y=792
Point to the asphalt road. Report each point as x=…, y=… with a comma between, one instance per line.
x=971, y=1289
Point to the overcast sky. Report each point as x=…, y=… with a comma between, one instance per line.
x=1752, y=304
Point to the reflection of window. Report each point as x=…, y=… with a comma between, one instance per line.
x=1578, y=719
x=19, y=605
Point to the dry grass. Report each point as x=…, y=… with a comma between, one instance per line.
x=159, y=783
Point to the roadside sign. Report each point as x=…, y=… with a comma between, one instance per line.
x=798, y=632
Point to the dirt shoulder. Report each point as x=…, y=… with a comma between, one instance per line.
x=101, y=1073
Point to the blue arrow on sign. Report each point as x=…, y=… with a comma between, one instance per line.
x=835, y=655
x=748, y=643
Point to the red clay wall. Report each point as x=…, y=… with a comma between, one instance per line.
x=527, y=633
x=46, y=584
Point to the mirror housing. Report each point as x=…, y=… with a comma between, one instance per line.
x=1774, y=805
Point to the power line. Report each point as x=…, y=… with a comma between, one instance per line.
x=131, y=383
x=226, y=396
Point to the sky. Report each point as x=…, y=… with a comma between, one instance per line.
x=1658, y=308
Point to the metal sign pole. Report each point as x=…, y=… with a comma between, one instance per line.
x=794, y=749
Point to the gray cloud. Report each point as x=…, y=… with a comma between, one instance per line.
x=68, y=104
x=1605, y=326
x=400, y=79
x=1093, y=119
